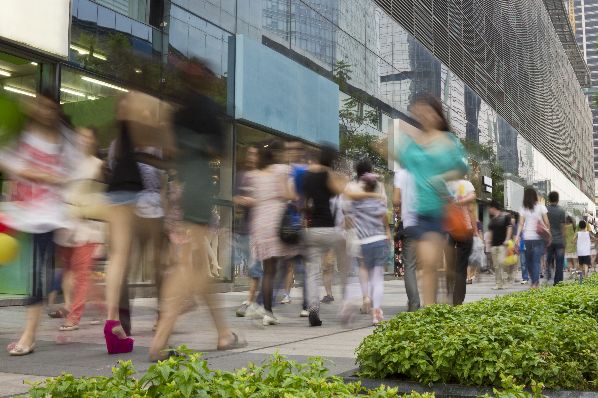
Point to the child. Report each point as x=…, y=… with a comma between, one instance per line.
x=374, y=236
x=584, y=241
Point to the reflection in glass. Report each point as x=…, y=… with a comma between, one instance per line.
x=18, y=76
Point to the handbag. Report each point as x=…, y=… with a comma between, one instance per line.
x=477, y=257
x=543, y=231
x=291, y=225
x=455, y=223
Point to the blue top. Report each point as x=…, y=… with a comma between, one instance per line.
x=426, y=162
x=298, y=171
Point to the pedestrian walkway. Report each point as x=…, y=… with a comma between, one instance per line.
x=83, y=352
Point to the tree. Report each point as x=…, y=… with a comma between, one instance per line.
x=484, y=153
x=355, y=120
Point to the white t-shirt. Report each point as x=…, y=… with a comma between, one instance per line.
x=404, y=181
x=584, y=243
x=531, y=220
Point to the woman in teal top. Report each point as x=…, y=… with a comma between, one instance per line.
x=433, y=156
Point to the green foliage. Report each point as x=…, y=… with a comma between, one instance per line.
x=189, y=376
x=356, y=119
x=484, y=153
x=548, y=336
x=510, y=389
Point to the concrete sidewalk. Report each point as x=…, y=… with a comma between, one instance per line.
x=82, y=352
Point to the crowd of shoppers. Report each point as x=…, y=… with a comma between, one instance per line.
x=300, y=219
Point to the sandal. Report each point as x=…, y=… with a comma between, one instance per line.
x=235, y=343
x=367, y=306
x=165, y=354
x=59, y=313
x=68, y=328
x=18, y=350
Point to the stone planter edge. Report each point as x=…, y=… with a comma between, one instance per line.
x=448, y=390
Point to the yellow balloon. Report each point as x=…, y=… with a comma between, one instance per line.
x=9, y=249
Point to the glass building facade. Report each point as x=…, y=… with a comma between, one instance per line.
x=499, y=68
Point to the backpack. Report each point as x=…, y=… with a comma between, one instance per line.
x=291, y=225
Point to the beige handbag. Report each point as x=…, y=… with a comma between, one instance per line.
x=86, y=200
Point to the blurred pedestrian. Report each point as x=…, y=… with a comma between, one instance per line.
x=370, y=216
x=320, y=185
x=532, y=214
x=501, y=231
x=584, y=240
x=555, y=252
x=295, y=267
x=199, y=139
x=433, y=156
x=570, y=249
x=243, y=202
x=79, y=243
x=271, y=189
x=464, y=196
x=352, y=191
x=39, y=163
x=149, y=237
x=405, y=197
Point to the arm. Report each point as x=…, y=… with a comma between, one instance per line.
x=336, y=182
x=154, y=161
x=359, y=195
x=546, y=222
x=467, y=199
x=396, y=197
x=452, y=175
x=509, y=233
x=521, y=224
x=291, y=193
x=245, y=201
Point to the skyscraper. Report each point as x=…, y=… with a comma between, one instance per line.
x=585, y=16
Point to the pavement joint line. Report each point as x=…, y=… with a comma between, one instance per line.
x=287, y=343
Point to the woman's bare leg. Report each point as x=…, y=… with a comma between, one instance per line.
x=186, y=278
x=429, y=256
x=121, y=230
x=34, y=313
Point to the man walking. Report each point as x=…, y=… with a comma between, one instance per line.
x=464, y=195
x=555, y=252
x=500, y=232
x=404, y=197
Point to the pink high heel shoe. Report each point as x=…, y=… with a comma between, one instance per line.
x=114, y=343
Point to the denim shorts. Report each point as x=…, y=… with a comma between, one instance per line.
x=426, y=224
x=121, y=197
x=256, y=271
x=375, y=254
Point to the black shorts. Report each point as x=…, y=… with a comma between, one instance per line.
x=585, y=260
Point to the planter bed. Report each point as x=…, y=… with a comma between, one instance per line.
x=544, y=336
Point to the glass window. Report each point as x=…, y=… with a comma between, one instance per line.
x=19, y=77
x=136, y=9
x=90, y=102
x=112, y=44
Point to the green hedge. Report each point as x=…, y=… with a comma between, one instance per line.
x=549, y=336
x=190, y=376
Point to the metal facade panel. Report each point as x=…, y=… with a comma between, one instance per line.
x=520, y=57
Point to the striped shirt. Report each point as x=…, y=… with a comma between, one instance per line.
x=368, y=215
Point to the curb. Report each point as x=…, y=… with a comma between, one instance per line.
x=448, y=390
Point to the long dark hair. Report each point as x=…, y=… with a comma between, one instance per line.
x=268, y=154
x=530, y=198
x=328, y=155
x=436, y=105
